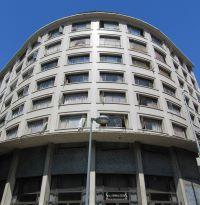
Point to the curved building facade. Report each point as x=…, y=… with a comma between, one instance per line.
x=84, y=66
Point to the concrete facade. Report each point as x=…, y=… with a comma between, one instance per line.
x=84, y=66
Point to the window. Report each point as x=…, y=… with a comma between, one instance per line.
x=81, y=26
x=151, y=124
x=189, y=68
x=35, y=44
x=8, y=102
x=1, y=97
x=144, y=100
x=112, y=97
x=141, y=63
x=160, y=56
x=42, y=103
x=112, y=77
x=73, y=121
x=185, y=74
x=79, y=41
x=56, y=32
x=187, y=100
x=110, y=41
x=193, y=83
x=138, y=46
x=18, y=111
x=181, y=83
x=190, y=90
x=175, y=65
x=165, y=72
x=18, y=70
x=109, y=25
x=49, y=65
x=13, y=86
x=23, y=92
x=156, y=40
x=78, y=59
x=198, y=97
x=192, y=117
x=39, y=125
x=169, y=90
x=146, y=82
x=74, y=98
x=12, y=132
x=2, y=121
x=21, y=58
x=117, y=121
x=196, y=107
x=135, y=31
x=76, y=78
x=52, y=48
x=32, y=58
x=179, y=131
x=27, y=74
x=110, y=58
x=180, y=61
x=44, y=84
x=174, y=108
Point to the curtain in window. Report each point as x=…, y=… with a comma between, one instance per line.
x=32, y=58
x=27, y=74
x=12, y=133
x=169, y=90
x=117, y=121
x=78, y=78
x=135, y=31
x=54, y=33
x=141, y=63
x=111, y=58
x=156, y=41
x=73, y=121
x=179, y=131
x=18, y=111
x=80, y=42
x=108, y=97
x=159, y=56
x=49, y=65
x=138, y=46
x=111, y=77
x=164, y=72
x=41, y=103
x=23, y=92
x=110, y=41
x=37, y=126
x=81, y=26
x=147, y=101
x=75, y=98
x=78, y=59
x=110, y=25
x=175, y=109
x=45, y=84
x=151, y=124
x=143, y=82
x=53, y=48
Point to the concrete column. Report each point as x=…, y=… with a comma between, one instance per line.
x=10, y=184
x=92, y=196
x=141, y=190
x=179, y=184
x=46, y=179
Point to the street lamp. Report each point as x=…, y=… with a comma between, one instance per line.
x=102, y=120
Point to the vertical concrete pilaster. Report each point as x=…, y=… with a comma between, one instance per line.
x=179, y=184
x=10, y=184
x=141, y=190
x=46, y=178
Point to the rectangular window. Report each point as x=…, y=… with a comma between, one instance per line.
x=27, y=74
x=187, y=101
x=147, y=101
x=193, y=83
x=174, y=108
x=32, y=58
x=179, y=131
x=42, y=103
x=18, y=70
x=143, y=81
x=190, y=90
x=181, y=83
x=49, y=65
x=198, y=97
x=2, y=121
x=17, y=111
x=13, y=86
x=175, y=65
x=151, y=124
x=141, y=63
x=110, y=41
x=81, y=26
x=36, y=126
x=44, y=84
x=79, y=42
x=74, y=98
x=35, y=44
x=135, y=31
x=109, y=58
x=180, y=61
x=165, y=72
x=138, y=46
x=78, y=59
x=185, y=75
x=160, y=56
x=52, y=48
x=56, y=32
x=76, y=78
x=196, y=107
x=156, y=40
x=169, y=90
x=73, y=121
x=112, y=97
x=117, y=120
x=8, y=102
x=23, y=92
x=112, y=77
x=192, y=117
x=109, y=25
x=12, y=132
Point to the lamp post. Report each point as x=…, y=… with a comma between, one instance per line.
x=102, y=120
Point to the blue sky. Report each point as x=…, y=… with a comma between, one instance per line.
x=178, y=19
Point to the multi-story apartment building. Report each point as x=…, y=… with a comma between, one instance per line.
x=84, y=66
